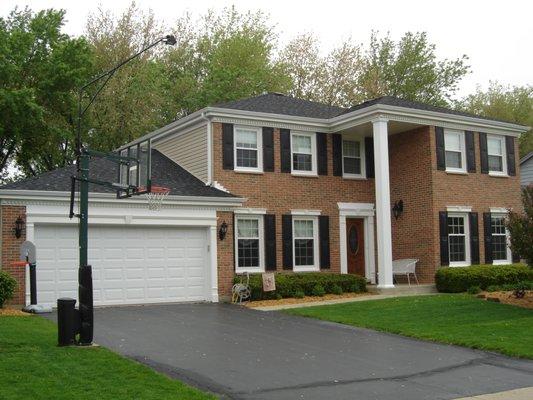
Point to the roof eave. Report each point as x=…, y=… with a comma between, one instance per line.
x=36, y=195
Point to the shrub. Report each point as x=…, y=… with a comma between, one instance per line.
x=288, y=284
x=299, y=294
x=318, y=290
x=493, y=288
x=336, y=289
x=456, y=280
x=520, y=227
x=474, y=290
x=520, y=290
x=7, y=287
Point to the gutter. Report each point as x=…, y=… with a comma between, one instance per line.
x=43, y=195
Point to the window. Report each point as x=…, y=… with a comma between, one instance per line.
x=458, y=239
x=303, y=153
x=249, y=244
x=454, y=145
x=352, y=159
x=496, y=151
x=500, y=250
x=248, y=154
x=305, y=243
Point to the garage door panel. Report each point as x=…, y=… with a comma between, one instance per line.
x=131, y=265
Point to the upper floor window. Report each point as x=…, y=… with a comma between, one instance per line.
x=352, y=158
x=454, y=145
x=249, y=243
x=458, y=239
x=496, y=152
x=248, y=149
x=303, y=153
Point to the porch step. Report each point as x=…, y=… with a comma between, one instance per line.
x=403, y=289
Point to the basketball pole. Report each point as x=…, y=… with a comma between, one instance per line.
x=83, y=155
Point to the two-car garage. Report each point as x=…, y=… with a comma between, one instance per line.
x=131, y=264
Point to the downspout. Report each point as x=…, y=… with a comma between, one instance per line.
x=209, y=150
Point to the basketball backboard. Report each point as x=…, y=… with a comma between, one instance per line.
x=137, y=175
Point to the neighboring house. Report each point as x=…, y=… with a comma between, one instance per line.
x=526, y=169
x=302, y=186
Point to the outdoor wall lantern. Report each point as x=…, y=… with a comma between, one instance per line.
x=19, y=226
x=397, y=209
x=223, y=230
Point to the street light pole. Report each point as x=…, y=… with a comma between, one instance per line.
x=85, y=288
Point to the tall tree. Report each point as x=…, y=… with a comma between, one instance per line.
x=352, y=73
x=39, y=69
x=514, y=104
x=223, y=56
x=135, y=100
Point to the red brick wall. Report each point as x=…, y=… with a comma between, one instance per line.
x=281, y=192
x=225, y=255
x=11, y=249
x=480, y=191
x=411, y=181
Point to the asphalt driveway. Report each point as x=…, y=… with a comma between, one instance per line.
x=246, y=354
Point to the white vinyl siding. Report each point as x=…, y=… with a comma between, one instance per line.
x=189, y=150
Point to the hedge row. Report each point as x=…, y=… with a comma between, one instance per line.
x=308, y=283
x=456, y=280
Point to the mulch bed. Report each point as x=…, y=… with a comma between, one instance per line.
x=12, y=312
x=508, y=298
x=306, y=299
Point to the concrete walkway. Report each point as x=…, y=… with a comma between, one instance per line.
x=337, y=301
x=518, y=394
x=244, y=354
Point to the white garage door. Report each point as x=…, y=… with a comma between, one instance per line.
x=131, y=265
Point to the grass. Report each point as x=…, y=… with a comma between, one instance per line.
x=454, y=319
x=33, y=367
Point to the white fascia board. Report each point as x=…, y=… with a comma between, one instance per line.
x=38, y=195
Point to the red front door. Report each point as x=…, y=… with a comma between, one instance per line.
x=355, y=245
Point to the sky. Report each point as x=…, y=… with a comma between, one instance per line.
x=496, y=35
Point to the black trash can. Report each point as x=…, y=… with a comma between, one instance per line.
x=68, y=321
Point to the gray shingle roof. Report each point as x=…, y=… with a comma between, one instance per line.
x=165, y=172
x=276, y=103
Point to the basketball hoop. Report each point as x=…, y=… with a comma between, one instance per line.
x=156, y=196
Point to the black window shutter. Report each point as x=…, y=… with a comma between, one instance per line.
x=470, y=152
x=227, y=146
x=285, y=148
x=488, y=237
x=511, y=161
x=483, y=153
x=268, y=149
x=270, y=242
x=443, y=229
x=369, y=157
x=336, y=144
x=286, y=233
x=441, y=151
x=474, y=237
x=323, y=237
x=322, y=153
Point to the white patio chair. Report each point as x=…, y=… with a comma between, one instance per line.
x=405, y=267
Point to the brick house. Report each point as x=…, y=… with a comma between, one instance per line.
x=301, y=186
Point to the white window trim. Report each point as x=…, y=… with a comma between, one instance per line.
x=259, y=133
x=313, y=171
x=468, y=259
x=459, y=209
x=305, y=212
x=261, y=267
x=508, y=253
x=462, y=141
x=362, y=175
x=249, y=211
x=316, y=265
x=503, y=172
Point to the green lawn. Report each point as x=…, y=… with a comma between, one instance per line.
x=33, y=367
x=456, y=319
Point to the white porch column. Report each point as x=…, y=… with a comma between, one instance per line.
x=383, y=223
